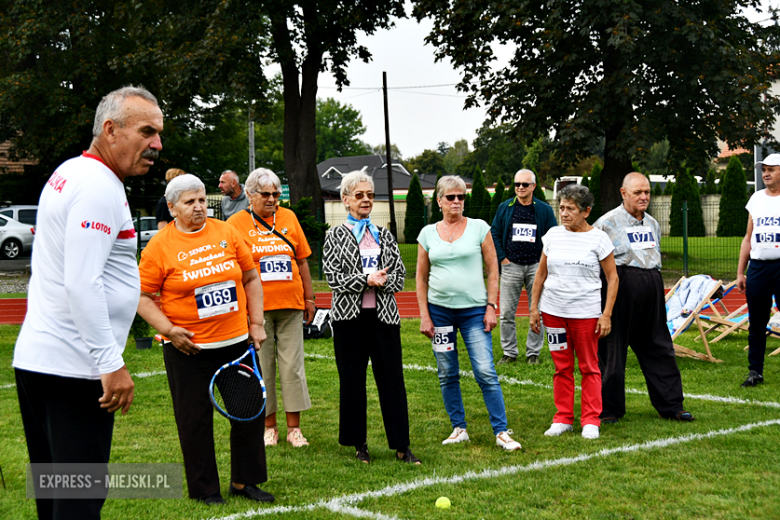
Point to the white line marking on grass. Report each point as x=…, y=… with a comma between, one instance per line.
x=12, y=385
x=339, y=505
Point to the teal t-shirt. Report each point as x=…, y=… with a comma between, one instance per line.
x=455, y=280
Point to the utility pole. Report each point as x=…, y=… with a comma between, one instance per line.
x=393, y=228
x=251, y=134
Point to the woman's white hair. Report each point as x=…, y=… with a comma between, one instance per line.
x=350, y=181
x=111, y=105
x=181, y=184
x=449, y=183
x=259, y=178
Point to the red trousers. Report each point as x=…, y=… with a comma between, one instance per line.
x=580, y=337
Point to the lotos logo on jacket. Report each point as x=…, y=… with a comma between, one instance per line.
x=97, y=226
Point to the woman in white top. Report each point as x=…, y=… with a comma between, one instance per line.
x=567, y=289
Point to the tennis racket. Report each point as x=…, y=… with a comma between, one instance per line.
x=237, y=389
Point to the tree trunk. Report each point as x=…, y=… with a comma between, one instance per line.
x=300, y=110
x=616, y=166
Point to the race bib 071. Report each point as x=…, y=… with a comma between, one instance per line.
x=524, y=232
x=556, y=338
x=443, y=339
x=640, y=237
x=276, y=267
x=215, y=299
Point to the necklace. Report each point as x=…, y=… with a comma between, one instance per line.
x=258, y=229
x=455, y=232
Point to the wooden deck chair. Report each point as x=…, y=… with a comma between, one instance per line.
x=694, y=316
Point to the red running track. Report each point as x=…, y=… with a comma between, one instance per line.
x=12, y=310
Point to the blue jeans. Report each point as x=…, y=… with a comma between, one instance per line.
x=479, y=345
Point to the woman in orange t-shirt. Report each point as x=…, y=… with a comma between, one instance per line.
x=189, y=262
x=280, y=249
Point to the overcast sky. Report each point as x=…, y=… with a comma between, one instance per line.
x=420, y=118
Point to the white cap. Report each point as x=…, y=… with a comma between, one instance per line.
x=770, y=160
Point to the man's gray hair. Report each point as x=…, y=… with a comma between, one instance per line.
x=350, y=181
x=578, y=194
x=181, y=184
x=449, y=183
x=110, y=106
x=524, y=170
x=259, y=178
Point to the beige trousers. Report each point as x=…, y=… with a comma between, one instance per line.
x=284, y=347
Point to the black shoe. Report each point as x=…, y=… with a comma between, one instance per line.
x=753, y=379
x=212, y=500
x=362, y=454
x=506, y=359
x=408, y=457
x=252, y=492
x=682, y=416
x=533, y=360
x=609, y=420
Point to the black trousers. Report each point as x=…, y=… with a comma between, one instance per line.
x=189, y=378
x=763, y=282
x=63, y=423
x=355, y=342
x=639, y=320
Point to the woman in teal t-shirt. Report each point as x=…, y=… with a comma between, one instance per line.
x=452, y=296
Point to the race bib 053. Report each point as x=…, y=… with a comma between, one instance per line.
x=276, y=267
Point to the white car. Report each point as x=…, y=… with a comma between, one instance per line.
x=15, y=238
x=23, y=214
x=147, y=231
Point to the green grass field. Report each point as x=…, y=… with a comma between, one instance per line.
x=723, y=465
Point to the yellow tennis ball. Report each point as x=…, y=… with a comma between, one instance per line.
x=442, y=502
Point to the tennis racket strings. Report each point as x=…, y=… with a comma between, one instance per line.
x=238, y=392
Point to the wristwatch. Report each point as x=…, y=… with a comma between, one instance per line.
x=493, y=305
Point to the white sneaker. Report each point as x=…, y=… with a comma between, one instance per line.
x=590, y=431
x=271, y=436
x=558, y=428
x=457, y=435
x=296, y=438
x=504, y=440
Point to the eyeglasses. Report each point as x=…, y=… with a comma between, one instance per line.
x=266, y=194
x=523, y=184
x=460, y=196
x=359, y=195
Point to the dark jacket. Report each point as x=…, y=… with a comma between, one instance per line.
x=343, y=270
x=502, y=225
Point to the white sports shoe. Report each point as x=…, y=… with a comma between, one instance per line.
x=590, y=431
x=504, y=440
x=457, y=435
x=271, y=436
x=558, y=428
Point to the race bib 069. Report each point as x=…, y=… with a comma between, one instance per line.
x=443, y=339
x=556, y=337
x=523, y=232
x=640, y=237
x=276, y=267
x=215, y=299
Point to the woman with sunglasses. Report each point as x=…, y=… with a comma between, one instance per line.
x=363, y=266
x=452, y=296
x=279, y=249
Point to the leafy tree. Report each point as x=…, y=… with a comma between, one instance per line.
x=655, y=160
x=435, y=209
x=313, y=228
x=633, y=72
x=498, y=198
x=455, y=155
x=669, y=188
x=428, y=161
x=308, y=38
x=480, y=198
x=415, y=208
x=657, y=189
x=711, y=187
x=732, y=217
x=585, y=182
x=467, y=207
x=381, y=150
x=338, y=128
x=539, y=192
x=497, y=152
x=443, y=148
x=686, y=189
x=595, y=188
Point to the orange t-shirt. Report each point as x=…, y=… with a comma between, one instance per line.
x=199, y=277
x=276, y=264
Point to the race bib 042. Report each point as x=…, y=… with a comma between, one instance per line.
x=524, y=233
x=443, y=339
x=215, y=299
x=556, y=337
x=275, y=268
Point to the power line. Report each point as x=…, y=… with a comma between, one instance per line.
x=391, y=88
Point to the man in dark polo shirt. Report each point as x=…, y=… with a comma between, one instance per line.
x=517, y=230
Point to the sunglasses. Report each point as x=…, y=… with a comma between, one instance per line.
x=266, y=194
x=359, y=195
x=451, y=197
x=523, y=184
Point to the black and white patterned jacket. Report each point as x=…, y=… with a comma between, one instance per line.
x=343, y=270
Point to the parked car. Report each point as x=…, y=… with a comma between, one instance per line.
x=15, y=238
x=147, y=231
x=23, y=214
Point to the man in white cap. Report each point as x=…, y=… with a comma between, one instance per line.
x=761, y=246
